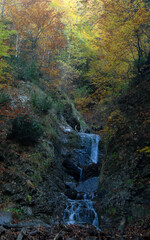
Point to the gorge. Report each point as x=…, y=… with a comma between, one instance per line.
x=74, y=119
x=62, y=179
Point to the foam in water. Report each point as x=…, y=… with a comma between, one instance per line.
x=81, y=212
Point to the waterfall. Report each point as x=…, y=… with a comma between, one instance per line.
x=91, y=141
x=82, y=210
x=94, y=149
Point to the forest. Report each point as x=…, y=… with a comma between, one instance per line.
x=69, y=67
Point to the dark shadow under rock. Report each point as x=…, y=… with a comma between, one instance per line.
x=90, y=171
x=71, y=193
x=71, y=169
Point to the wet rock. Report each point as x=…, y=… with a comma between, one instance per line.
x=88, y=186
x=70, y=185
x=81, y=156
x=90, y=171
x=5, y=218
x=72, y=169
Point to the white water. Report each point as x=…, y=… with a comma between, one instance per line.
x=94, y=148
x=91, y=141
x=83, y=211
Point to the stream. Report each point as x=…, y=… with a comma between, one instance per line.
x=82, y=210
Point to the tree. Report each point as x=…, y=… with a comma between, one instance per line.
x=40, y=31
x=4, y=54
x=125, y=36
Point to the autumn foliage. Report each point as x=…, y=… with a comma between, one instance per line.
x=89, y=49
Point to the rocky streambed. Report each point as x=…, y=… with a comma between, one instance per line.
x=63, y=205
x=82, y=165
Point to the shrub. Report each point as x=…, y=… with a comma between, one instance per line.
x=31, y=72
x=25, y=69
x=41, y=103
x=4, y=98
x=59, y=107
x=26, y=129
x=63, y=108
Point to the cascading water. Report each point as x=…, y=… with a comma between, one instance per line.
x=94, y=148
x=91, y=142
x=82, y=211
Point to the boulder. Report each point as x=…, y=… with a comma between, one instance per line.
x=72, y=169
x=89, y=186
x=5, y=218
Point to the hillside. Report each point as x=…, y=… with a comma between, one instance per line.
x=32, y=168
x=74, y=119
x=32, y=175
